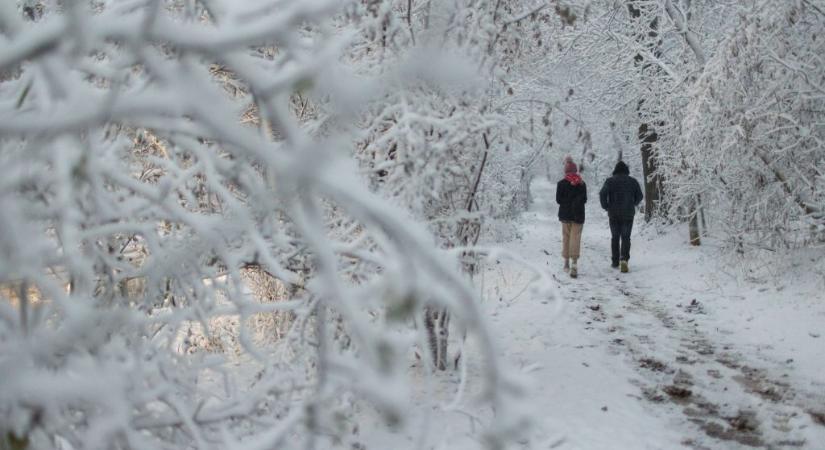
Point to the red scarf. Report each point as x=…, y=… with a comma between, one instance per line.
x=573, y=178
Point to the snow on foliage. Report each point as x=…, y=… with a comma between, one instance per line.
x=180, y=173
x=721, y=103
x=236, y=224
x=754, y=133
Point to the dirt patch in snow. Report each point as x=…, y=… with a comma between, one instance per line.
x=757, y=382
x=742, y=428
x=818, y=417
x=654, y=365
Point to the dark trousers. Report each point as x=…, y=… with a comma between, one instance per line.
x=620, y=231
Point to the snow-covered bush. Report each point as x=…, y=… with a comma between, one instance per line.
x=155, y=152
x=434, y=139
x=753, y=134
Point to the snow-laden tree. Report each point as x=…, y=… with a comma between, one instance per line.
x=156, y=153
x=435, y=139
x=630, y=62
x=755, y=127
x=430, y=136
x=721, y=101
x=694, y=95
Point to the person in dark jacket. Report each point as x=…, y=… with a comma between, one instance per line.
x=571, y=195
x=620, y=195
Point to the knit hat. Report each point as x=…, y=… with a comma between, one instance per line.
x=621, y=169
x=570, y=166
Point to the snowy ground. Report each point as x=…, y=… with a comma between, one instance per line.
x=674, y=354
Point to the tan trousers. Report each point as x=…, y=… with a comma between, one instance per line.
x=571, y=241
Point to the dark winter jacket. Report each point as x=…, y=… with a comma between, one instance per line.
x=621, y=194
x=571, y=200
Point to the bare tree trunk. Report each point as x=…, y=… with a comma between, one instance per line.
x=693, y=224
x=647, y=134
x=409, y=20
x=678, y=17
x=437, y=322
x=652, y=180
x=616, y=142
x=443, y=337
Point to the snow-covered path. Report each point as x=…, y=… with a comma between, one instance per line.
x=671, y=355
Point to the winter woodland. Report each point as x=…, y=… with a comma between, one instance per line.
x=266, y=224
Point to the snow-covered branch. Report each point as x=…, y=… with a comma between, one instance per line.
x=188, y=259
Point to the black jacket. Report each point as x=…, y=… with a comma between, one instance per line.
x=571, y=200
x=621, y=194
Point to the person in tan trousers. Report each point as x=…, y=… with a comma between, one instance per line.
x=571, y=195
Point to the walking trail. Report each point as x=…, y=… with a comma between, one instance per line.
x=674, y=354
